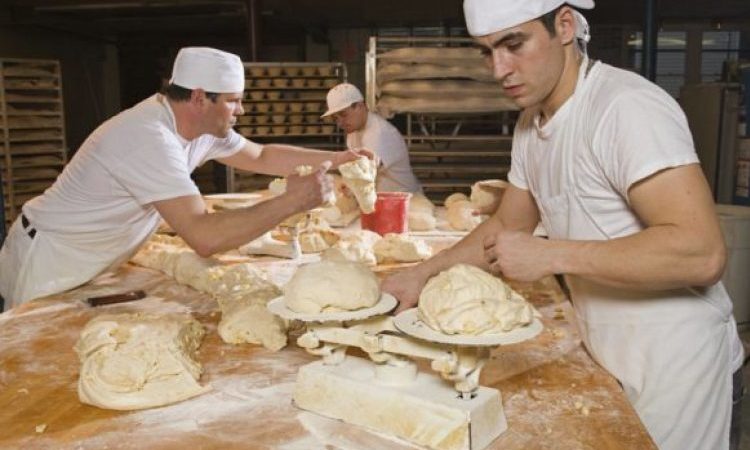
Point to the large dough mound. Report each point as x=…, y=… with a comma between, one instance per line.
x=138, y=361
x=359, y=176
x=467, y=300
x=329, y=286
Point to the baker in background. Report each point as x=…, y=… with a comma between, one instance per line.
x=135, y=168
x=604, y=158
x=366, y=129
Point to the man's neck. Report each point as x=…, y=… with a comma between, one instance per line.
x=565, y=87
x=182, y=118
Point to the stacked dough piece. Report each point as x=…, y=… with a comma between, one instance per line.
x=240, y=289
x=137, y=361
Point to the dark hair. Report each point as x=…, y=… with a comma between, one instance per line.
x=548, y=20
x=181, y=94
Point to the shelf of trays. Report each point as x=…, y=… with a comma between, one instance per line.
x=283, y=103
x=33, y=148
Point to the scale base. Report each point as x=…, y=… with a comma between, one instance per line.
x=426, y=411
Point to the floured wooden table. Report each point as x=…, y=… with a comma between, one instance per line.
x=554, y=395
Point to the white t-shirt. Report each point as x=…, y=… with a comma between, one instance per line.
x=382, y=138
x=103, y=198
x=672, y=351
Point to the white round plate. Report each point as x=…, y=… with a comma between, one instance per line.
x=386, y=303
x=409, y=323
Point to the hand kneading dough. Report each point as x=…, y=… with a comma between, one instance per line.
x=467, y=300
x=359, y=176
x=401, y=248
x=330, y=286
x=137, y=361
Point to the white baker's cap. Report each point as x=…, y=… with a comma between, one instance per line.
x=341, y=97
x=485, y=17
x=209, y=69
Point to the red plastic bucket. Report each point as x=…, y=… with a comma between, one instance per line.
x=391, y=214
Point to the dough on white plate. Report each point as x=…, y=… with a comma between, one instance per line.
x=330, y=286
x=357, y=246
x=467, y=300
x=359, y=176
x=138, y=361
x=461, y=216
x=401, y=248
x=455, y=197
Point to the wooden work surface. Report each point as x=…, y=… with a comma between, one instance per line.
x=554, y=395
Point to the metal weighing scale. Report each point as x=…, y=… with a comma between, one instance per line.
x=447, y=410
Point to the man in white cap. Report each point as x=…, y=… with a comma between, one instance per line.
x=365, y=129
x=605, y=160
x=134, y=170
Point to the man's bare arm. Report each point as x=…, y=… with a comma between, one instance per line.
x=212, y=233
x=681, y=244
x=517, y=212
x=281, y=160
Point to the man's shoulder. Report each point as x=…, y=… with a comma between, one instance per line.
x=612, y=85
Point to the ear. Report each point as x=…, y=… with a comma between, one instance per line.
x=197, y=97
x=565, y=25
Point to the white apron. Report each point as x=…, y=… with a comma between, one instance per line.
x=49, y=263
x=669, y=350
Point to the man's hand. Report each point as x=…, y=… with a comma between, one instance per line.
x=310, y=190
x=405, y=285
x=518, y=256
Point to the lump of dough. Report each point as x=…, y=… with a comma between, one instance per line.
x=138, y=361
x=421, y=221
x=418, y=202
x=421, y=213
x=401, y=248
x=486, y=193
x=461, y=216
x=455, y=197
x=329, y=286
x=241, y=290
x=356, y=246
x=359, y=176
x=317, y=235
x=467, y=300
